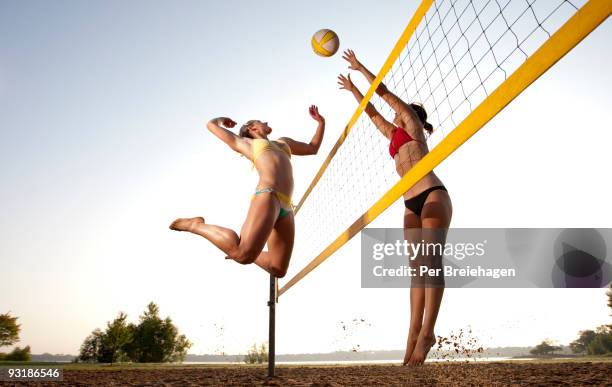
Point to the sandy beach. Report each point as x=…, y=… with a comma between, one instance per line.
x=558, y=373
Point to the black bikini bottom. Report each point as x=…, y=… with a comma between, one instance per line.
x=416, y=203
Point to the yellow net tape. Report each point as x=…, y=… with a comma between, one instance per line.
x=439, y=89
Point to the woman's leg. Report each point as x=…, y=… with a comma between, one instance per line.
x=280, y=246
x=256, y=229
x=435, y=218
x=412, y=233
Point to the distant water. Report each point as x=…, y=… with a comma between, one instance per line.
x=385, y=361
x=323, y=362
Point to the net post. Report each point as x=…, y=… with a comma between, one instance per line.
x=271, y=326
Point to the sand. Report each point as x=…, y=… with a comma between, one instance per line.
x=432, y=374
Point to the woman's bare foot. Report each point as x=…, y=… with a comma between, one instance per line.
x=412, y=341
x=423, y=345
x=186, y=224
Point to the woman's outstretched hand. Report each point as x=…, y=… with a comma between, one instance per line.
x=345, y=82
x=228, y=122
x=350, y=57
x=314, y=113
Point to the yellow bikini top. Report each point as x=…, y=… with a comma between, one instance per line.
x=261, y=145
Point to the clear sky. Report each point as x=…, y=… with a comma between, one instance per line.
x=102, y=145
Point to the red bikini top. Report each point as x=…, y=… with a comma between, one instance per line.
x=398, y=138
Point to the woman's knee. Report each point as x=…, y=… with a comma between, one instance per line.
x=278, y=267
x=245, y=254
x=278, y=271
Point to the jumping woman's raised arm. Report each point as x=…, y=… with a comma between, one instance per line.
x=238, y=144
x=303, y=149
x=394, y=101
x=383, y=125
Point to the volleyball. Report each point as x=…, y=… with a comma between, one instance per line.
x=325, y=42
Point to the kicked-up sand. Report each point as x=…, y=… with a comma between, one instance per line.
x=523, y=373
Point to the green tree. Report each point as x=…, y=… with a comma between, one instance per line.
x=256, y=355
x=181, y=346
x=91, y=348
x=108, y=346
x=581, y=344
x=9, y=330
x=156, y=339
x=262, y=355
x=115, y=339
x=251, y=355
x=602, y=342
x=152, y=340
x=132, y=348
x=9, y=335
x=19, y=354
x=545, y=348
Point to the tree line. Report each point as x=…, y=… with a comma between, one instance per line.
x=598, y=341
x=589, y=342
x=152, y=340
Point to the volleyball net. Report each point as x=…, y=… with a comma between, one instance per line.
x=464, y=60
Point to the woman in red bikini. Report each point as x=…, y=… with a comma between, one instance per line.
x=428, y=206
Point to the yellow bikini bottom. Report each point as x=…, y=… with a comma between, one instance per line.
x=285, y=200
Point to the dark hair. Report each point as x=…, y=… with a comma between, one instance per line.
x=420, y=111
x=244, y=130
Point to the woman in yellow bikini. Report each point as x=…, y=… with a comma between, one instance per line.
x=270, y=216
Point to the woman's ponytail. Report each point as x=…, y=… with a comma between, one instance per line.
x=420, y=111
